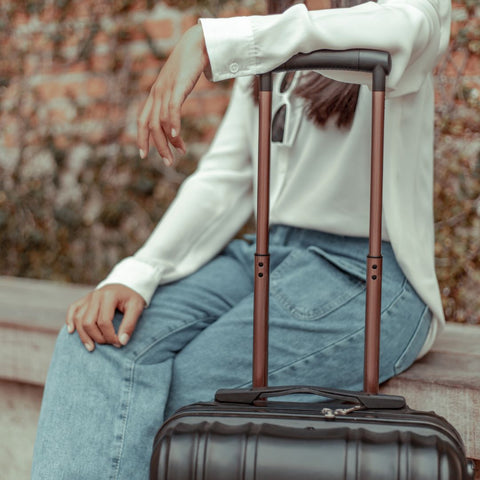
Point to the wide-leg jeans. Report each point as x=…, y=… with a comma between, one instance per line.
x=101, y=410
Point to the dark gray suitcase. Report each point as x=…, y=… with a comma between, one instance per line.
x=350, y=436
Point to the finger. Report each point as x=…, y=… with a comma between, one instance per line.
x=105, y=319
x=133, y=310
x=161, y=144
x=164, y=114
x=76, y=311
x=171, y=123
x=176, y=140
x=174, y=114
x=70, y=320
x=89, y=321
x=158, y=134
x=143, y=128
x=88, y=342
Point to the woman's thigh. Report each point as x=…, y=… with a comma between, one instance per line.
x=317, y=310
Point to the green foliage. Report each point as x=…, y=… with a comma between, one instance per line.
x=457, y=174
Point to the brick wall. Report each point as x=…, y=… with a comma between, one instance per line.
x=72, y=77
x=74, y=195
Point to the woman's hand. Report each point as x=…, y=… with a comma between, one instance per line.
x=159, y=119
x=92, y=315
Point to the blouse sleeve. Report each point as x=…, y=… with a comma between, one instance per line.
x=415, y=32
x=210, y=207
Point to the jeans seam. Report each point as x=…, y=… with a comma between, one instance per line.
x=125, y=406
x=316, y=352
x=397, y=297
x=397, y=364
x=124, y=411
x=306, y=357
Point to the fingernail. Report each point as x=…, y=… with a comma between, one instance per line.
x=69, y=328
x=124, y=338
x=167, y=162
x=89, y=347
x=142, y=153
x=181, y=151
x=174, y=132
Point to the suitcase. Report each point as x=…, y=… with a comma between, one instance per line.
x=345, y=435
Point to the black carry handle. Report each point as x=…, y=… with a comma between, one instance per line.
x=359, y=398
x=360, y=60
x=357, y=59
x=378, y=63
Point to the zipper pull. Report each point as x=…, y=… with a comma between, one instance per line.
x=332, y=414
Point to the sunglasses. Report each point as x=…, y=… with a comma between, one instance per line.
x=280, y=117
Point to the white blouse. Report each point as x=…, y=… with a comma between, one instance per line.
x=319, y=177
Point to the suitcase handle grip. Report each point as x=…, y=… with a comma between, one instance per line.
x=244, y=396
x=378, y=62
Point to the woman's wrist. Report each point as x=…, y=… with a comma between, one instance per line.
x=199, y=38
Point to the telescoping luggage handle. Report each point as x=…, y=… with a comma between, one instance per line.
x=378, y=63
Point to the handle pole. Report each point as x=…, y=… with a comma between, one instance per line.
x=379, y=64
x=262, y=255
x=374, y=258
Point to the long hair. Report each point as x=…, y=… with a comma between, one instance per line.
x=325, y=98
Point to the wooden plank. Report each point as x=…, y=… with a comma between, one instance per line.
x=19, y=412
x=447, y=381
x=459, y=339
x=36, y=304
x=31, y=314
x=460, y=406
x=25, y=354
x=449, y=369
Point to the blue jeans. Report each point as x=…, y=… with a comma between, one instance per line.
x=101, y=410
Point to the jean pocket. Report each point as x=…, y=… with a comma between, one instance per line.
x=311, y=283
x=414, y=346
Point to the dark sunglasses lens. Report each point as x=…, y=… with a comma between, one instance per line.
x=286, y=81
x=278, y=124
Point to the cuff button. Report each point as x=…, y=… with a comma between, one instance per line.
x=234, y=67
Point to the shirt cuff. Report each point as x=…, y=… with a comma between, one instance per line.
x=137, y=275
x=227, y=41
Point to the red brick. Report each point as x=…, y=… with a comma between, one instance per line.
x=96, y=87
x=51, y=89
x=101, y=38
x=9, y=138
x=101, y=63
x=93, y=87
x=21, y=18
x=159, y=28
x=57, y=116
x=49, y=14
x=197, y=106
x=101, y=111
x=318, y=4
x=455, y=63
x=473, y=66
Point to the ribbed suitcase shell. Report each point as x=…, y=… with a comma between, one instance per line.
x=297, y=442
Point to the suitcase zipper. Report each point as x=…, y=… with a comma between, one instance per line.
x=332, y=414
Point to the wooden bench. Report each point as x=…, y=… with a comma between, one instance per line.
x=447, y=380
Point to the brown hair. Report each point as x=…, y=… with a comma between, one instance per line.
x=325, y=98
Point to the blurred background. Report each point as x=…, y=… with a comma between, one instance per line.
x=75, y=197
